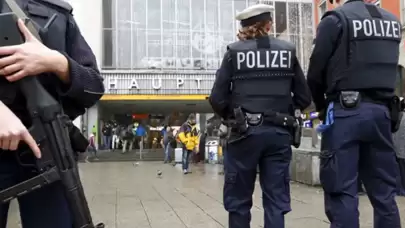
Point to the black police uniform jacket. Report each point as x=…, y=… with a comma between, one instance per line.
x=365, y=54
x=86, y=85
x=260, y=75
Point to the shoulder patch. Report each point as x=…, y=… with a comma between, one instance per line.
x=59, y=4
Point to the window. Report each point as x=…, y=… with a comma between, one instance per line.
x=322, y=9
x=107, y=34
x=190, y=34
x=280, y=18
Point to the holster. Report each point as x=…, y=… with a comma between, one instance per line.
x=297, y=135
x=297, y=129
x=292, y=123
x=396, y=108
x=349, y=99
x=240, y=122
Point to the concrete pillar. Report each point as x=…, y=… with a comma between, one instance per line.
x=203, y=121
x=197, y=120
x=93, y=123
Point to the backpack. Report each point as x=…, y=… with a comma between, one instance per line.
x=192, y=130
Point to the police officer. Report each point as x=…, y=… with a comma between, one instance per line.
x=256, y=89
x=354, y=63
x=66, y=67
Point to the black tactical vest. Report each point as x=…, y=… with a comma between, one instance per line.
x=368, y=53
x=262, y=74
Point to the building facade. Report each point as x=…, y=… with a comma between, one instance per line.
x=321, y=6
x=157, y=55
x=187, y=34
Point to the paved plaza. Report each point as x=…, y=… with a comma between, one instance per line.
x=130, y=195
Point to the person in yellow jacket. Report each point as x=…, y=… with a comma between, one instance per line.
x=189, y=138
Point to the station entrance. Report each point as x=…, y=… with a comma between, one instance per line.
x=148, y=119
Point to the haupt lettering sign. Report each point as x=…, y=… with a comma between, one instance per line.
x=156, y=83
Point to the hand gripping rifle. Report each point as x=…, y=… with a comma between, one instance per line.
x=50, y=129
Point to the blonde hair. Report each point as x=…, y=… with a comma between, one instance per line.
x=253, y=31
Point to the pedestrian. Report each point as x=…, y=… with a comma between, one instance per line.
x=129, y=137
x=188, y=136
x=67, y=68
x=94, y=130
x=92, y=149
x=167, y=144
x=115, y=137
x=257, y=87
x=201, y=146
x=107, y=132
x=352, y=76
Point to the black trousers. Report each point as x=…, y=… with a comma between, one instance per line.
x=360, y=186
x=401, y=164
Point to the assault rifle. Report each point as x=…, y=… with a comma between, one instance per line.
x=50, y=129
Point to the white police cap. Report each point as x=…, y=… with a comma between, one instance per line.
x=254, y=14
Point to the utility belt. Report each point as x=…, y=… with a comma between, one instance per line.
x=352, y=99
x=244, y=120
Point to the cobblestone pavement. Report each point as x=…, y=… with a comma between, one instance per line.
x=130, y=195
